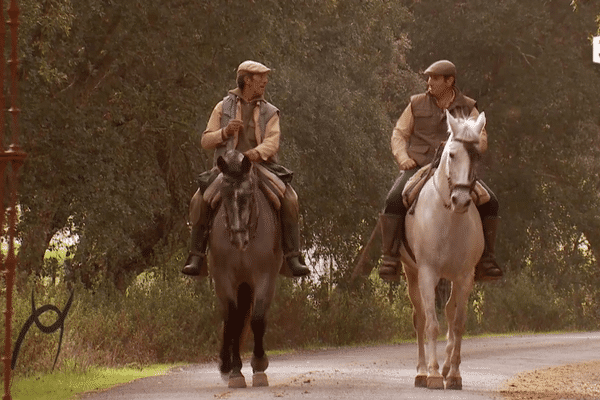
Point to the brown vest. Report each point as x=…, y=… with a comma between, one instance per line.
x=431, y=128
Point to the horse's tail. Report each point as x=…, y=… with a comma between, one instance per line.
x=244, y=306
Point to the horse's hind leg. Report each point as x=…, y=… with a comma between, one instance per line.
x=260, y=361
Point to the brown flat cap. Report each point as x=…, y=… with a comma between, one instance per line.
x=252, y=67
x=442, y=67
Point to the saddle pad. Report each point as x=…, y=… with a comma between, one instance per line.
x=267, y=182
x=278, y=186
x=414, y=185
x=212, y=195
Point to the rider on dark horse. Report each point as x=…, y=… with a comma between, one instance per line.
x=245, y=121
x=420, y=130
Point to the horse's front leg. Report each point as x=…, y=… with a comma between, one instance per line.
x=419, y=325
x=231, y=360
x=461, y=295
x=427, y=284
x=225, y=354
x=260, y=361
x=450, y=317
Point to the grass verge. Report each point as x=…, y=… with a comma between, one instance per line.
x=70, y=385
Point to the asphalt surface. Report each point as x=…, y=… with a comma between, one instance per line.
x=378, y=372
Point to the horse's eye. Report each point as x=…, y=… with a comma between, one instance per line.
x=451, y=155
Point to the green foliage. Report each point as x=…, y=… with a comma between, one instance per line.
x=115, y=100
x=529, y=67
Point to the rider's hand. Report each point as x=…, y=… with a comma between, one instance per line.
x=253, y=155
x=408, y=164
x=232, y=128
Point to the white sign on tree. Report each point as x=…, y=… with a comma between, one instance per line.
x=596, y=49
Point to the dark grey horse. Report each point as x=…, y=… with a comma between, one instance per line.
x=245, y=258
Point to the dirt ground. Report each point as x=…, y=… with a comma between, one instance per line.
x=572, y=381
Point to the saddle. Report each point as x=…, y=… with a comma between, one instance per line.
x=268, y=182
x=413, y=187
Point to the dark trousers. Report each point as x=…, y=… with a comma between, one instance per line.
x=395, y=205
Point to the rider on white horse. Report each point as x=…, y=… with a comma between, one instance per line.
x=245, y=121
x=421, y=128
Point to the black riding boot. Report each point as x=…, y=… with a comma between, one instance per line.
x=291, y=234
x=487, y=269
x=392, y=234
x=195, y=264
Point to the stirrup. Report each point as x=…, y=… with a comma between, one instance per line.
x=194, y=265
x=296, y=265
x=487, y=270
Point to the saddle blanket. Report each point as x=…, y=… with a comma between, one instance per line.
x=414, y=185
x=269, y=183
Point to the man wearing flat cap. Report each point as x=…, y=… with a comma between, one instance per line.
x=245, y=121
x=420, y=130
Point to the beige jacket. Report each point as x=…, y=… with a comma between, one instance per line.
x=212, y=137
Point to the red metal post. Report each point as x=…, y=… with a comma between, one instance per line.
x=12, y=158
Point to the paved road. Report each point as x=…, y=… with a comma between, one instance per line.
x=379, y=372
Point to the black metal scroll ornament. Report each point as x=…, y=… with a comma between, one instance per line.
x=34, y=318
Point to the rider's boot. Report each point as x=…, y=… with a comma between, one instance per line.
x=487, y=269
x=195, y=264
x=392, y=234
x=290, y=215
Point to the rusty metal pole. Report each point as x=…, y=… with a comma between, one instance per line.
x=12, y=158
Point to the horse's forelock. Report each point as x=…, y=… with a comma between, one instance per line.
x=466, y=131
x=236, y=168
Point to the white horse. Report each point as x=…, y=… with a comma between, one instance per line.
x=446, y=239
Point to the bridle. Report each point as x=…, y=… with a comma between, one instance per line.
x=452, y=186
x=252, y=221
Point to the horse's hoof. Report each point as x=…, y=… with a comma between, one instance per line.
x=435, y=382
x=260, y=379
x=454, y=383
x=259, y=364
x=237, y=381
x=421, y=381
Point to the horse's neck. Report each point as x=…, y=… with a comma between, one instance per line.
x=440, y=183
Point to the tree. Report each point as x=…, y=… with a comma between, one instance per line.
x=529, y=67
x=116, y=93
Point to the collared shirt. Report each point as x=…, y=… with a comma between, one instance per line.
x=405, y=127
x=268, y=147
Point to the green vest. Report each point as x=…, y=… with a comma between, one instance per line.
x=431, y=128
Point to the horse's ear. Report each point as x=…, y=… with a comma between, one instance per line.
x=480, y=123
x=246, y=165
x=452, y=122
x=221, y=164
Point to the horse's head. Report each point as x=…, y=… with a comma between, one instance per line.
x=237, y=195
x=460, y=157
